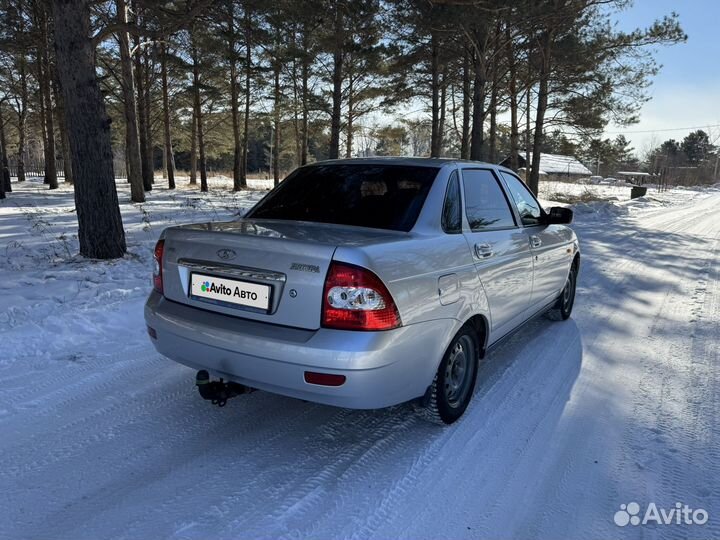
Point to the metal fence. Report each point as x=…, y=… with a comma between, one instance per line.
x=36, y=167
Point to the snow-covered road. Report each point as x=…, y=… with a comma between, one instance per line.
x=570, y=420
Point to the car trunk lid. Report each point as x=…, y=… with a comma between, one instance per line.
x=284, y=263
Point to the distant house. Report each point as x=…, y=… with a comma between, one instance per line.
x=553, y=166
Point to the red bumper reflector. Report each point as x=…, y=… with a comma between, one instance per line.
x=324, y=379
x=151, y=332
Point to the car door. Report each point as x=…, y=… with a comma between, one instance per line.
x=499, y=247
x=547, y=242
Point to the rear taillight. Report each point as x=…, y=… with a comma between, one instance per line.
x=158, y=268
x=356, y=299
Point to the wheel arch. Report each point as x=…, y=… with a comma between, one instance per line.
x=480, y=324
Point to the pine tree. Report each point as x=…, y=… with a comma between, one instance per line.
x=100, y=229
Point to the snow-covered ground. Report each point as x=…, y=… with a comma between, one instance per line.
x=104, y=438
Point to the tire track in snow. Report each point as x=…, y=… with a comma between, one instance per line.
x=255, y=472
x=65, y=436
x=303, y=502
x=53, y=388
x=296, y=483
x=190, y=430
x=611, y=496
x=488, y=432
x=494, y=456
x=658, y=458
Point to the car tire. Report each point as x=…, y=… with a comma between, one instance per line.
x=454, y=383
x=562, y=309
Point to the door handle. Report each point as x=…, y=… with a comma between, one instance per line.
x=483, y=251
x=535, y=241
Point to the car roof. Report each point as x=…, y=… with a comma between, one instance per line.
x=404, y=160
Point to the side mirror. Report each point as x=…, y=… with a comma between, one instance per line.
x=559, y=215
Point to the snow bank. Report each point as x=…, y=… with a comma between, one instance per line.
x=613, y=200
x=57, y=304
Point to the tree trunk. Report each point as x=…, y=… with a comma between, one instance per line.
x=198, y=117
x=305, y=107
x=492, y=135
x=528, y=91
x=337, y=76
x=545, y=50
x=62, y=128
x=41, y=109
x=246, y=119
x=350, y=127
x=435, y=89
x=494, y=84
x=50, y=163
x=22, y=120
x=169, y=163
x=465, y=138
x=100, y=229
x=132, y=137
x=193, y=147
x=22, y=126
x=276, y=123
x=512, y=94
x=2, y=190
x=145, y=164
x=478, y=116
x=234, y=100
x=44, y=68
x=441, y=120
x=4, y=166
x=296, y=105
x=149, y=148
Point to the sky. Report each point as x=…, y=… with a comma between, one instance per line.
x=686, y=92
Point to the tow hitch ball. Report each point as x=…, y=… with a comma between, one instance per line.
x=218, y=392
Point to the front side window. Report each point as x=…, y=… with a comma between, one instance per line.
x=528, y=207
x=452, y=213
x=364, y=195
x=486, y=206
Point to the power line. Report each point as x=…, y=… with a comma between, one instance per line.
x=660, y=130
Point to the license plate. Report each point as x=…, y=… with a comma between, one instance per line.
x=230, y=291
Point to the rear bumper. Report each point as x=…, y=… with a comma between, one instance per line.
x=381, y=368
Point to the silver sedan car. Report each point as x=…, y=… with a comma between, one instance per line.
x=363, y=283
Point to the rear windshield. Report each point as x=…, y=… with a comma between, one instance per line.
x=377, y=196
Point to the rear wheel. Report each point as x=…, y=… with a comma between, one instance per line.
x=564, y=305
x=454, y=382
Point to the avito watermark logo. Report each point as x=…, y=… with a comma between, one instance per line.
x=680, y=514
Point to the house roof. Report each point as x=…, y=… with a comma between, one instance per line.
x=555, y=164
x=632, y=173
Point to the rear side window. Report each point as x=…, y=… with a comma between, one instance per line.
x=527, y=205
x=452, y=212
x=485, y=204
x=377, y=196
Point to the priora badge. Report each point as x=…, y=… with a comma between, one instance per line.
x=226, y=254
